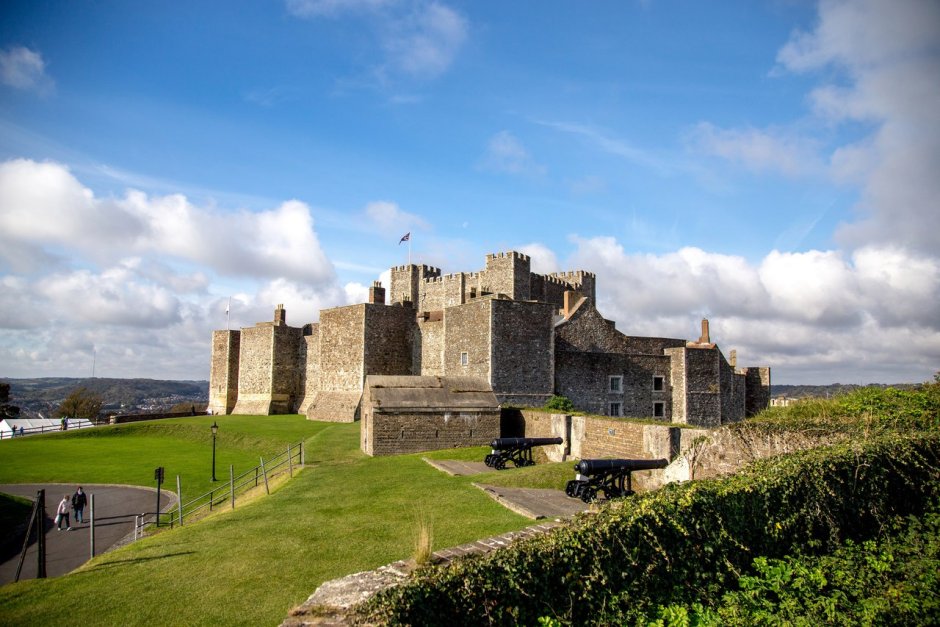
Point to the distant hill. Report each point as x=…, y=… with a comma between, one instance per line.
x=834, y=389
x=35, y=396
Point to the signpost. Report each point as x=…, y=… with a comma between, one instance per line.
x=158, y=477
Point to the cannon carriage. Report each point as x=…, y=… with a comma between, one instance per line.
x=515, y=450
x=613, y=477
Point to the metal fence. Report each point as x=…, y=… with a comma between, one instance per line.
x=227, y=493
x=8, y=435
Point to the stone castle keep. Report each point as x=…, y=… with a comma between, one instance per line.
x=433, y=365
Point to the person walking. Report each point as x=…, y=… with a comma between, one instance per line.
x=79, y=500
x=62, y=514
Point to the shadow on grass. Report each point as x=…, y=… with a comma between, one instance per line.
x=136, y=560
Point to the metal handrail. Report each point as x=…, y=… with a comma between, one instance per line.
x=238, y=485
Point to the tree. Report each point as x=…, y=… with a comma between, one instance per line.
x=81, y=403
x=6, y=409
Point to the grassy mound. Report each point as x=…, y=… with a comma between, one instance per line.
x=345, y=512
x=689, y=543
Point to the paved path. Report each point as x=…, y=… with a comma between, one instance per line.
x=115, y=509
x=529, y=502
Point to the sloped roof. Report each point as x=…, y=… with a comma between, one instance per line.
x=391, y=393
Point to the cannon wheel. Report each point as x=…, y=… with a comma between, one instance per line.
x=588, y=494
x=571, y=488
x=488, y=460
x=499, y=463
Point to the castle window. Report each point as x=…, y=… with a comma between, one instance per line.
x=658, y=383
x=615, y=409
x=659, y=409
x=464, y=358
x=615, y=384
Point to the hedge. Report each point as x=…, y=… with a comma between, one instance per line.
x=679, y=544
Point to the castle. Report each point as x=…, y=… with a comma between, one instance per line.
x=521, y=335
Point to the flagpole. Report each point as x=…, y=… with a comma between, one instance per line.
x=409, y=249
x=228, y=308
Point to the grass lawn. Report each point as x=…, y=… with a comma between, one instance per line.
x=344, y=513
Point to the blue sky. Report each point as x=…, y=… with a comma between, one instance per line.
x=770, y=165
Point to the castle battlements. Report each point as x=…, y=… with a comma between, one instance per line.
x=508, y=255
x=572, y=274
x=423, y=268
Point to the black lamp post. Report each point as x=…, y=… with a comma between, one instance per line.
x=215, y=430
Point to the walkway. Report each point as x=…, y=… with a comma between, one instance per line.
x=115, y=509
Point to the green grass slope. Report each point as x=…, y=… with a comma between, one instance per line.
x=344, y=513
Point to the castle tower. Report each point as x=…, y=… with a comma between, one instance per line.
x=223, y=372
x=508, y=273
x=406, y=282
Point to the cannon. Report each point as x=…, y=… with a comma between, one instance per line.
x=613, y=477
x=515, y=450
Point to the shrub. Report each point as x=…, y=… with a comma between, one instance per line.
x=679, y=544
x=559, y=403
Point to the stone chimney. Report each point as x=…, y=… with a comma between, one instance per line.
x=280, y=315
x=705, y=338
x=377, y=293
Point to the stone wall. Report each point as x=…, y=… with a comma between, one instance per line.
x=255, y=370
x=413, y=432
x=467, y=329
x=703, y=400
x=429, y=347
x=523, y=352
x=443, y=291
x=342, y=338
x=757, y=386
x=677, y=376
x=286, y=370
x=310, y=352
x=223, y=371
x=387, y=343
x=585, y=378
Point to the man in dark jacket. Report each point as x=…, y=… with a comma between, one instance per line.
x=78, y=504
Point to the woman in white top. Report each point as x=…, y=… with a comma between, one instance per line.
x=62, y=514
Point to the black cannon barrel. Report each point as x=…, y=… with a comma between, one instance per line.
x=503, y=443
x=593, y=466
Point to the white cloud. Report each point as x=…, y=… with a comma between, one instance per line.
x=419, y=39
x=816, y=315
x=81, y=272
x=425, y=43
x=22, y=68
x=879, y=62
x=388, y=218
x=332, y=8
x=758, y=150
x=543, y=259
x=505, y=153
